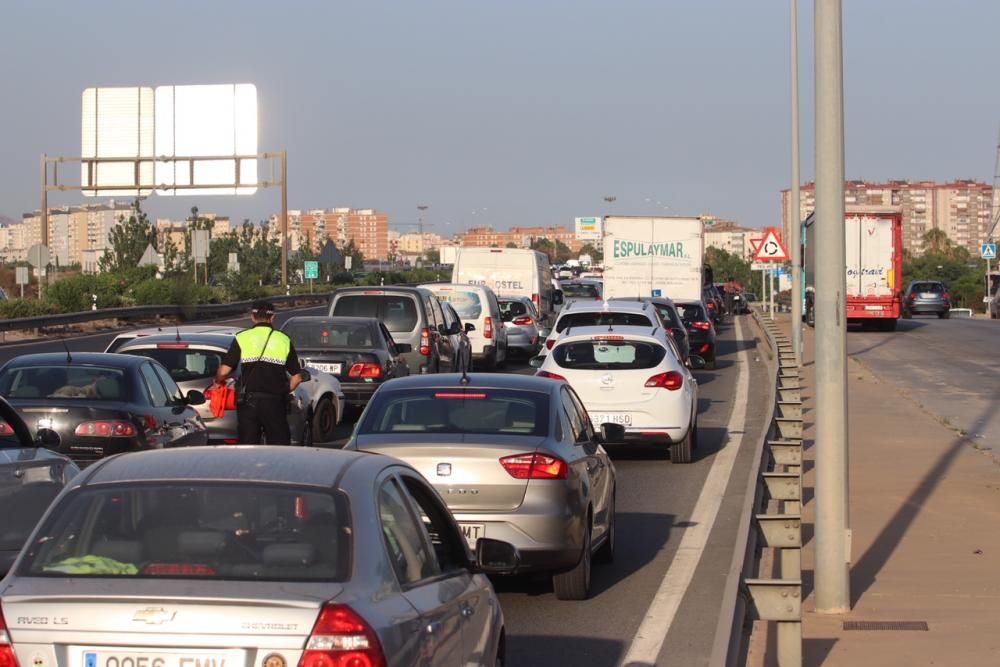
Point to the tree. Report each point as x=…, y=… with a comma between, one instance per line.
x=351, y=250
x=595, y=254
x=725, y=265
x=433, y=256
x=510, y=244
x=936, y=241
x=542, y=244
x=128, y=241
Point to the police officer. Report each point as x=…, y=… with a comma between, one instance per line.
x=270, y=371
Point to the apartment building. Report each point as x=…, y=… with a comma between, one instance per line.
x=368, y=228
x=521, y=237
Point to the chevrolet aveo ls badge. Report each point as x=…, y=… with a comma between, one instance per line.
x=251, y=557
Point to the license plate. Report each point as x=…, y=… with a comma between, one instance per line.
x=623, y=418
x=328, y=368
x=142, y=658
x=873, y=307
x=472, y=532
x=928, y=295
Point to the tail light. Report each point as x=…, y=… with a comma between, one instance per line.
x=534, y=466
x=597, y=298
x=913, y=296
x=179, y=570
x=425, y=342
x=488, y=328
x=537, y=300
x=7, y=657
x=671, y=380
x=551, y=376
x=702, y=326
x=368, y=370
x=549, y=343
x=947, y=297
x=522, y=321
x=341, y=638
x=704, y=348
x=106, y=429
x=149, y=421
x=5, y=429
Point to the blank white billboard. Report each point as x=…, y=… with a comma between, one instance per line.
x=212, y=120
x=116, y=123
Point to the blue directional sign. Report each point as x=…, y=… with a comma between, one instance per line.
x=988, y=251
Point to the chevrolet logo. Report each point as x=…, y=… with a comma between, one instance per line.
x=154, y=616
x=443, y=469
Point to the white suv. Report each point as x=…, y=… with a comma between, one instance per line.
x=632, y=376
x=603, y=313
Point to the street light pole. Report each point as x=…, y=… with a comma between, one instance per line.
x=795, y=217
x=833, y=595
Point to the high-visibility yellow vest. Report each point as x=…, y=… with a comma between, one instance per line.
x=252, y=349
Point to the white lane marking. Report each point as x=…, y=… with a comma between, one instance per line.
x=660, y=615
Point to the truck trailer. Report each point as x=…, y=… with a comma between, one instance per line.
x=652, y=256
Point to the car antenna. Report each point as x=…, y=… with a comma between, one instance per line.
x=464, y=380
x=177, y=329
x=69, y=357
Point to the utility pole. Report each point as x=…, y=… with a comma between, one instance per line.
x=420, y=222
x=833, y=595
x=795, y=216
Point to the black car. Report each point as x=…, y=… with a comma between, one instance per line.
x=101, y=404
x=30, y=477
x=927, y=297
x=671, y=320
x=701, y=332
x=713, y=301
x=358, y=351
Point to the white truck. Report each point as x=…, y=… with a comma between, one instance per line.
x=651, y=256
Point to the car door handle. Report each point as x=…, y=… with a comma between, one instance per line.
x=434, y=627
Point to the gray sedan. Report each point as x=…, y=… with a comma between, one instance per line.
x=516, y=459
x=270, y=556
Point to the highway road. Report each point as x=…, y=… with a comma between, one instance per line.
x=950, y=367
x=660, y=601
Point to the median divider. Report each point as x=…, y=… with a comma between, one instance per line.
x=770, y=530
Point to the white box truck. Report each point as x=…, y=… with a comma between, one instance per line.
x=648, y=256
x=510, y=272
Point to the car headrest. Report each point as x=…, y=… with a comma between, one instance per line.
x=201, y=542
x=292, y=553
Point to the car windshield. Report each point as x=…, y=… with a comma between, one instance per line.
x=328, y=333
x=183, y=363
x=204, y=530
x=457, y=411
x=465, y=303
x=511, y=309
x=64, y=382
x=602, y=318
x=580, y=291
x=608, y=355
x=691, y=312
x=398, y=312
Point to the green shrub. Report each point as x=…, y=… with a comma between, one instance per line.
x=15, y=308
x=153, y=292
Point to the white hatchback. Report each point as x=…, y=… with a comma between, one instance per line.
x=477, y=305
x=632, y=376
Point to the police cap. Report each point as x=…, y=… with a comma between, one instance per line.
x=262, y=308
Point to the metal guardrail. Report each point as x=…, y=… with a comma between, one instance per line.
x=191, y=312
x=770, y=519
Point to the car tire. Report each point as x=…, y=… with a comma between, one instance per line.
x=606, y=554
x=945, y=315
x=694, y=433
x=502, y=363
x=711, y=364
x=324, y=422
x=575, y=584
x=907, y=314
x=680, y=452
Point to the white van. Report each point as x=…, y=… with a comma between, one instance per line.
x=510, y=272
x=477, y=305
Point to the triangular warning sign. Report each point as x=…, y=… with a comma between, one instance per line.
x=771, y=248
x=755, y=244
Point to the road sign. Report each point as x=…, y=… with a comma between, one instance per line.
x=311, y=270
x=150, y=257
x=39, y=256
x=657, y=293
x=759, y=266
x=771, y=248
x=330, y=255
x=988, y=251
x=22, y=275
x=200, y=239
x=347, y=262
x=755, y=244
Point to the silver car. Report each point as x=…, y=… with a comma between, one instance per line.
x=520, y=319
x=515, y=457
x=253, y=555
x=192, y=360
x=181, y=329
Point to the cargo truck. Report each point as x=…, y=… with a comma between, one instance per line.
x=646, y=256
x=874, y=266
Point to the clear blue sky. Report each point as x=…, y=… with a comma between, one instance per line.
x=527, y=112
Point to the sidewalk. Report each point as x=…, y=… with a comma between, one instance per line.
x=925, y=516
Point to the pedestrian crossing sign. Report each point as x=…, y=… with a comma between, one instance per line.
x=988, y=251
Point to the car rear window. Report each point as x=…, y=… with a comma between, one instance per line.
x=511, y=309
x=205, y=531
x=397, y=311
x=330, y=334
x=937, y=288
x=183, y=364
x=668, y=315
x=580, y=291
x=92, y=383
x=457, y=411
x=691, y=312
x=467, y=304
x=608, y=355
x=602, y=318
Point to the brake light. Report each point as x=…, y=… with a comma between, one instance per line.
x=367, y=370
x=425, y=342
x=535, y=299
x=371, y=292
x=607, y=338
x=522, y=321
x=5, y=429
x=172, y=346
x=913, y=296
x=671, y=380
x=149, y=421
x=7, y=657
x=549, y=343
x=106, y=429
x=341, y=638
x=597, y=298
x=704, y=348
x=534, y=466
x=460, y=396
x=551, y=376
x=488, y=328
x=179, y=570
x=231, y=441
x=702, y=326
x=947, y=297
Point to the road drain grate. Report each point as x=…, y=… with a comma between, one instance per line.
x=886, y=625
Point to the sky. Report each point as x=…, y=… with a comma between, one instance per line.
x=516, y=112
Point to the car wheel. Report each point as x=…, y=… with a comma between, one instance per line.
x=324, y=421
x=711, y=364
x=606, y=554
x=680, y=452
x=907, y=314
x=575, y=584
x=502, y=363
x=694, y=433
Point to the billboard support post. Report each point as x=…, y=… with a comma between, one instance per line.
x=44, y=278
x=284, y=218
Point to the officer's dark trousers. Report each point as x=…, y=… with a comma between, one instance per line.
x=263, y=413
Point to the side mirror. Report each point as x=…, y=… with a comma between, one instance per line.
x=677, y=332
x=496, y=557
x=305, y=375
x=696, y=362
x=544, y=333
x=443, y=330
x=403, y=348
x=469, y=327
x=536, y=362
x=46, y=437
x=557, y=297
x=612, y=434
x=194, y=397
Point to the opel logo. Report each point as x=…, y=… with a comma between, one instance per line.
x=444, y=469
x=607, y=379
